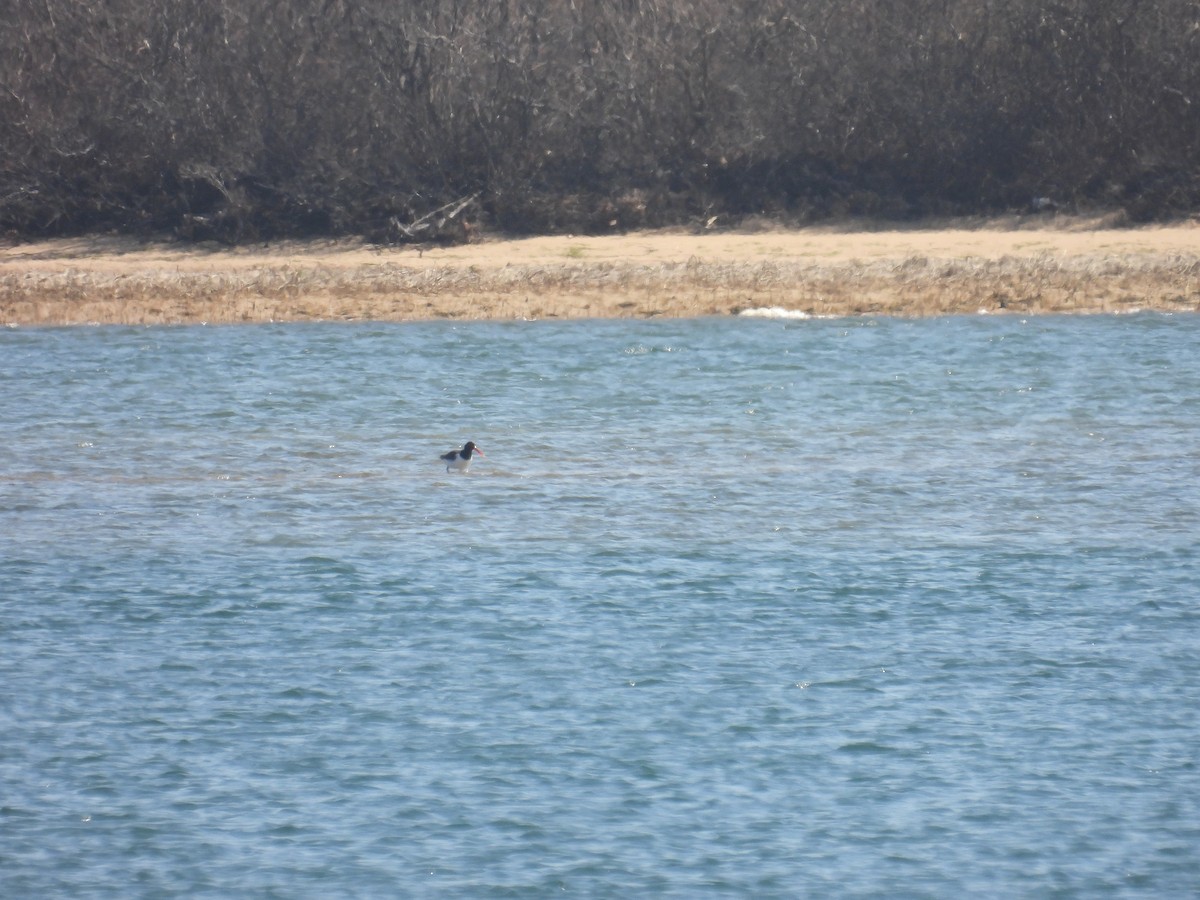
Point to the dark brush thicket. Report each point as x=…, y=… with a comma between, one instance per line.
x=421, y=119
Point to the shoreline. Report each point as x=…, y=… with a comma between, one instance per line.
x=1062, y=265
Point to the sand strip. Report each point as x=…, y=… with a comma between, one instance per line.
x=1011, y=266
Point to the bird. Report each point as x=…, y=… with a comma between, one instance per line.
x=460, y=460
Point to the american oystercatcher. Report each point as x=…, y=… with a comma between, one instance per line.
x=460, y=460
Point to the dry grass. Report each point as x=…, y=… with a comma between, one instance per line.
x=1072, y=266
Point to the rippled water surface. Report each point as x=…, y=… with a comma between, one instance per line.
x=731, y=608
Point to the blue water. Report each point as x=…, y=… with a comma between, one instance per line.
x=731, y=608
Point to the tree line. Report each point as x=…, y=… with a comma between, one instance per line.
x=409, y=120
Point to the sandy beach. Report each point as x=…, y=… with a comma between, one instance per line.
x=1030, y=266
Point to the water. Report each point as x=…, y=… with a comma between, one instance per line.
x=731, y=608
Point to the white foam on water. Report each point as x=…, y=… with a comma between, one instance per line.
x=775, y=312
